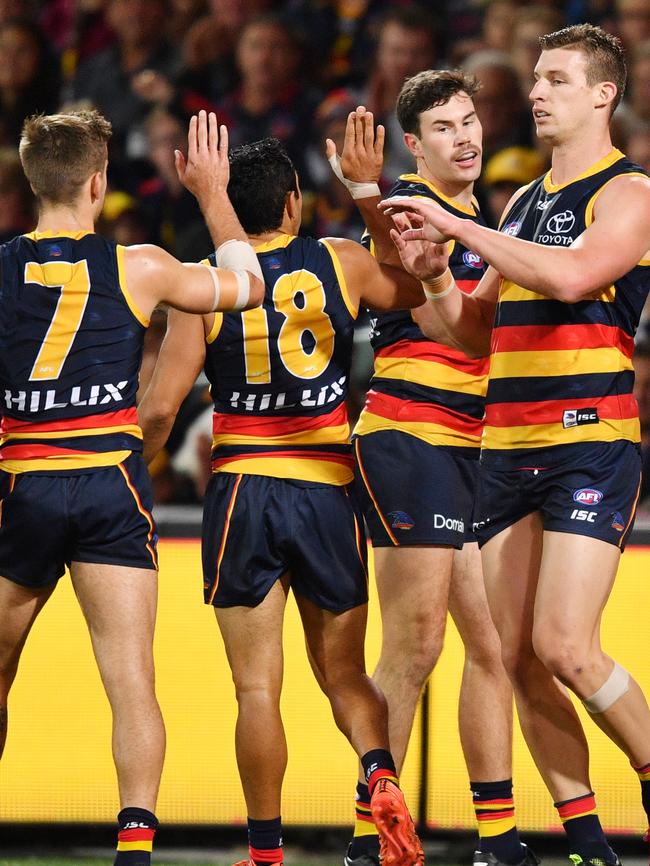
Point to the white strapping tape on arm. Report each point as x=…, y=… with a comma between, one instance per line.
x=217, y=287
x=356, y=189
x=240, y=258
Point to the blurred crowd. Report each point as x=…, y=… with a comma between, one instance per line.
x=291, y=69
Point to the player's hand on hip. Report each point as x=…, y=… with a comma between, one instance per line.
x=362, y=157
x=429, y=221
x=205, y=171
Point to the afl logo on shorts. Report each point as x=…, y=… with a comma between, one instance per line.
x=400, y=520
x=587, y=496
x=472, y=260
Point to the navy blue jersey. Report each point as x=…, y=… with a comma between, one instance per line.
x=71, y=343
x=279, y=373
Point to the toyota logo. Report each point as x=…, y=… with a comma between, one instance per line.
x=561, y=223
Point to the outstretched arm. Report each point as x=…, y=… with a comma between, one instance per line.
x=617, y=239
x=359, y=168
x=179, y=363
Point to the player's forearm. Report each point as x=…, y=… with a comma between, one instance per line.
x=221, y=219
x=457, y=320
x=557, y=273
x=156, y=428
x=378, y=226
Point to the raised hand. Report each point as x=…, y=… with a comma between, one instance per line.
x=422, y=258
x=206, y=171
x=429, y=221
x=362, y=158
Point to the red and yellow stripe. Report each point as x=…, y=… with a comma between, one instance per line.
x=494, y=817
x=577, y=808
x=643, y=772
x=137, y=839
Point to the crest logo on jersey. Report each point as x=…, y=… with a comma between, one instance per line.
x=587, y=496
x=579, y=417
x=561, y=223
x=55, y=251
x=617, y=522
x=274, y=263
x=512, y=229
x=472, y=260
x=401, y=520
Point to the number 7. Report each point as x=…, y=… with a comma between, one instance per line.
x=74, y=281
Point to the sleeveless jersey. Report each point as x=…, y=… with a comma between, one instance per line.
x=71, y=343
x=561, y=374
x=421, y=387
x=279, y=374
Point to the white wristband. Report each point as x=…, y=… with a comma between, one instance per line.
x=237, y=256
x=357, y=189
x=243, y=290
x=435, y=296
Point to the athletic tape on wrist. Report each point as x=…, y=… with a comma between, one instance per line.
x=243, y=290
x=238, y=256
x=614, y=687
x=357, y=189
x=445, y=281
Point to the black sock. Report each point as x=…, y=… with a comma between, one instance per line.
x=495, y=815
x=135, y=832
x=378, y=764
x=265, y=841
x=582, y=826
x=644, y=777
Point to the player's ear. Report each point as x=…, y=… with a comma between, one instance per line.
x=96, y=185
x=605, y=93
x=413, y=144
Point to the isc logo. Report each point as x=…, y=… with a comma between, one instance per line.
x=589, y=516
x=587, y=496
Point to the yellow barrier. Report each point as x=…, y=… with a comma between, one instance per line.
x=57, y=765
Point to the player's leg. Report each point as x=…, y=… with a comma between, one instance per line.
x=119, y=604
x=485, y=713
x=511, y=565
x=19, y=607
x=244, y=570
x=336, y=648
x=329, y=579
x=413, y=588
x=253, y=641
x=576, y=578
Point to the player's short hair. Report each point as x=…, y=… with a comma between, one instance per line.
x=429, y=89
x=59, y=152
x=261, y=177
x=604, y=54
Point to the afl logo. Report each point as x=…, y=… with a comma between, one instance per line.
x=561, y=223
x=587, y=496
x=472, y=260
x=512, y=229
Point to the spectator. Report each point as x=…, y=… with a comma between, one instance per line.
x=504, y=114
x=29, y=81
x=17, y=203
x=272, y=99
x=528, y=25
x=505, y=173
x=171, y=211
x=638, y=148
x=497, y=24
x=106, y=79
x=634, y=113
x=633, y=18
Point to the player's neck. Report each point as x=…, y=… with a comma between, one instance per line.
x=64, y=219
x=572, y=158
x=460, y=192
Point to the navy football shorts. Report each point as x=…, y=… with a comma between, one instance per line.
x=98, y=516
x=594, y=495
x=414, y=493
x=257, y=528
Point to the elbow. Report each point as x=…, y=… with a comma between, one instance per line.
x=256, y=292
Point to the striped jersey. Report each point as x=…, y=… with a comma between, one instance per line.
x=279, y=373
x=561, y=374
x=418, y=386
x=71, y=341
